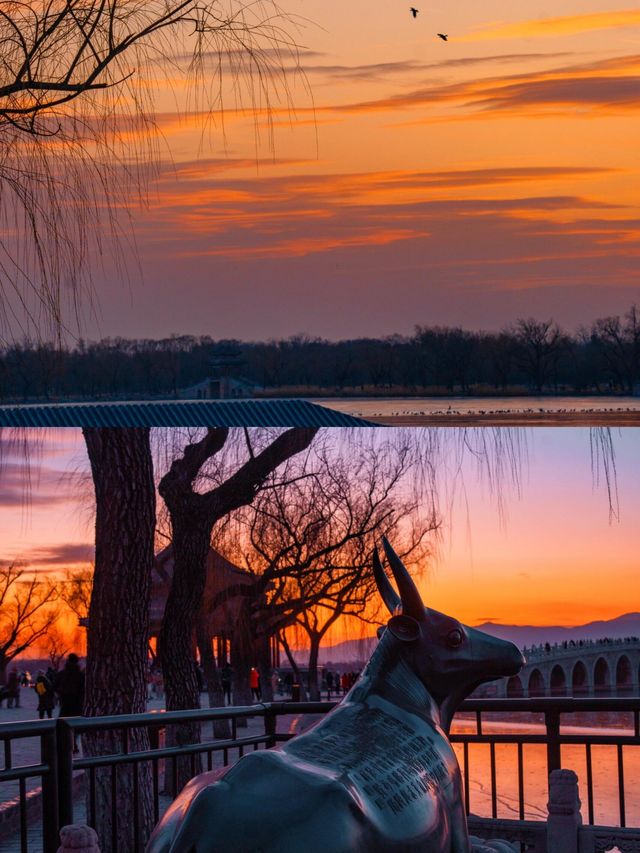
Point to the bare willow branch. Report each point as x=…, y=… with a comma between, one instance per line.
x=78, y=134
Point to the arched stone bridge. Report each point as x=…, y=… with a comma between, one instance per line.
x=584, y=668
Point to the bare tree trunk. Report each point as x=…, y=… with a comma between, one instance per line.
x=118, y=624
x=193, y=515
x=294, y=667
x=263, y=653
x=242, y=658
x=221, y=728
x=314, y=650
x=190, y=547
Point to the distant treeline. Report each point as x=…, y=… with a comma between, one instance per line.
x=530, y=355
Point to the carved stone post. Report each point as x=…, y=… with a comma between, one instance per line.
x=78, y=838
x=564, y=818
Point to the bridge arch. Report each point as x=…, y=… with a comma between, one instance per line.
x=536, y=683
x=558, y=681
x=624, y=675
x=579, y=679
x=515, y=690
x=601, y=676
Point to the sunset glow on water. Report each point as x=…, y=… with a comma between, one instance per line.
x=536, y=791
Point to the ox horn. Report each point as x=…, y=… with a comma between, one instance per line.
x=411, y=599
x=388, y=593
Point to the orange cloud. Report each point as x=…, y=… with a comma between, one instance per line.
x=329, y=211
x=610, y=85
x=306, y=245
x=562, y=26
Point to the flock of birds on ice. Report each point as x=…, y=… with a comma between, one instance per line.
x=619, y=410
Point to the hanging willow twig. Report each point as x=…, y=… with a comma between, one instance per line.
x=78, y=129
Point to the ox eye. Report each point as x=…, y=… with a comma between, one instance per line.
x=455, y=638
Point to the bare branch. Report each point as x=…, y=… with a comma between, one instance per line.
x=27, y=611
x=77, y=123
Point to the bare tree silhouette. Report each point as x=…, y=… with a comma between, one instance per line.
x=27, y=612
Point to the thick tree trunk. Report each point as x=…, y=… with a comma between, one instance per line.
x=221, y=728
x=314, y=689
x=263, y=652
x=118, y=624
x=190, y=547
x=294, y=668
x=193, y=515
x=243, y=657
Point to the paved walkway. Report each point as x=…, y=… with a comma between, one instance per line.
x=26, y=751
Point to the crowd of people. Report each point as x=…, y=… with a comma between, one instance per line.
x=550, y=649
x=336, y=683
x=64, y=688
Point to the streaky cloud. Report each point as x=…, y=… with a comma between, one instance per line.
x=59, y=555
x=381, y=69
x=558, y=26
x=606, y=93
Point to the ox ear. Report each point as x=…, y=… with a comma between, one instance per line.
x=388, y=593
x=404, y=628
x=410, y=597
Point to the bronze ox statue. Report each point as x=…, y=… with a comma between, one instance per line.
x=377, y=773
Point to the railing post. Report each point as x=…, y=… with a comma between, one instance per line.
x=64, y=745
x=552, y=722
x=270, y=727
x=564, y=819
x=50, y=825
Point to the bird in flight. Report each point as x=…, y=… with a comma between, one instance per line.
x=443, y=36
x=414, y=12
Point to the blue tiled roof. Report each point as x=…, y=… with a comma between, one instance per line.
x=205, y=413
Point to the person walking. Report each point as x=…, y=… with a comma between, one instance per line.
x=344, y=683
x=13, y=690
x=226, y=676
x=70, y=689
x=275, y=683
x=254, y=684
x=329, y=683
x=46, y=696
x=52, y=675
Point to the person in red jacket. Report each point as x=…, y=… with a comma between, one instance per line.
x=344, y=682
x=254, y=684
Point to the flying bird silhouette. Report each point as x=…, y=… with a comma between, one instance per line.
x=443, y=36
x=414, y=12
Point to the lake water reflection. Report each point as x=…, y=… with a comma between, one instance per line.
x=604, y=767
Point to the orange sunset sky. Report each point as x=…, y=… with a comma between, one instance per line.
x=470, y=182
x=553, y=557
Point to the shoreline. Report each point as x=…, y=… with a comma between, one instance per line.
x=496, y=412
x=507, y=419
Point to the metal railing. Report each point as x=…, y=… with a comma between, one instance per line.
x=551, y=710
x=58, y=767
x=46, y=771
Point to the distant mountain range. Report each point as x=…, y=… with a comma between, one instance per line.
x=628, y=625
